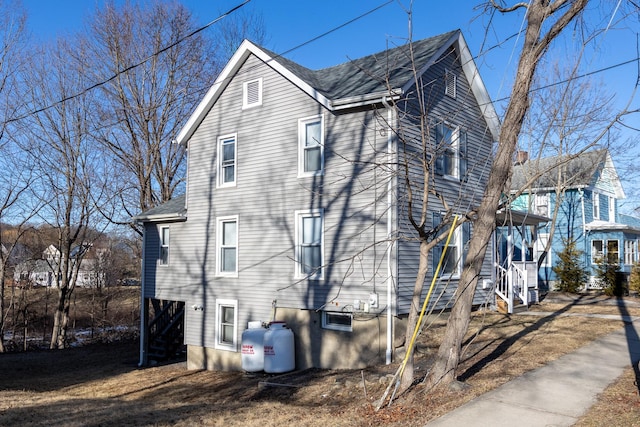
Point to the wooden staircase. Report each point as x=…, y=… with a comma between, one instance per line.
x=166, y=330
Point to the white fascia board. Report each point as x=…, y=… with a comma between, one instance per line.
x=237, y=60
x=371, y=98
x=617, y=184
x=160, y=218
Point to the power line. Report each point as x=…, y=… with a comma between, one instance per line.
x=130, y=67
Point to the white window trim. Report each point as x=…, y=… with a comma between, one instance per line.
x=334, y=326
x=594, y=257
x=162, y=245
x=245, y=94
x=301, y=140
x=456, y=240
x=455, y=147
x=541, y=241
x=220, y=174
x=612, y=209
x=630, y=252
x=219, y=222
x=450, y=83
x=219, y=345
x=596, y=205
x=298, y=274
x=540, y=200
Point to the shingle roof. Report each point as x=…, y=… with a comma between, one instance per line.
x=369, y=74
x=575, y=171
x=172, y=209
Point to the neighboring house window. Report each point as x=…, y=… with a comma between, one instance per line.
x=612, y=209
x=164, y=246
x=613, y=251
x=541, y=243
x=227, y=161
x=450, y=84
x=252, y=93
x=596, y=205
x=309, y=244
x=227, y=324
x=451, y=143
x=630, y=251
x=311, y=146
x=227, y=243
x=541, y=204
x=337, y=321
x=597, y=251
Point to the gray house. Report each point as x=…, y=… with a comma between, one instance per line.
x=296, y=204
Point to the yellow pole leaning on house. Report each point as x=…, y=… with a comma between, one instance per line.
x=400, y=370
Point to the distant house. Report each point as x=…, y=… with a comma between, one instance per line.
x=587, y=213
x=296, y=204
x=42, y=272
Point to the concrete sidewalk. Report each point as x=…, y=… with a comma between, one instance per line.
x=558, y=393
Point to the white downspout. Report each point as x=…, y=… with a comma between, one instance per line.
x=391, y=306
x=584, y=232
x=143, y=303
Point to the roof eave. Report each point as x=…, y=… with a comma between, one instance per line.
x=168, y=217
x=366, y=99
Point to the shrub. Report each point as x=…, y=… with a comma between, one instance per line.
x=634, y=279
x=571, y=275
x=608, y=272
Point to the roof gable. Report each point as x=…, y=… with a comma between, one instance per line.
x=358, y=82
x=592, y=169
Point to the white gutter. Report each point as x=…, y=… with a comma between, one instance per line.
x=391, y=306
x=370, y=98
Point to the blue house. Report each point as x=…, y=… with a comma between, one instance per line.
x=580, y=194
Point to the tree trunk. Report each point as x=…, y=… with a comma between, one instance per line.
x=534, y=47
x=423, y=266
x=60, y=320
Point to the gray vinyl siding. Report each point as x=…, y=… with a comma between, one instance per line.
x=461, y=196
x=267, y=194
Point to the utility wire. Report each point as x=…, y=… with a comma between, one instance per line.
x=130, y=67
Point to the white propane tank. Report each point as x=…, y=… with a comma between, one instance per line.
x=253, y=347
x=279, y=349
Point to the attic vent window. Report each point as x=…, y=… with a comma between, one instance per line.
x=449, y=84
x=252, y=93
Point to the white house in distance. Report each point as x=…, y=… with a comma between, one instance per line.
x=296, y=203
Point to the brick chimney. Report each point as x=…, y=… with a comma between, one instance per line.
x=521, y=157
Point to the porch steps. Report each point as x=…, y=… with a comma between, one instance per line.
x=166, y=331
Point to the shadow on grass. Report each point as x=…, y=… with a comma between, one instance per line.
x=633, y=340
x=505, y=344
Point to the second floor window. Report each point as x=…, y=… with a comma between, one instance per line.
x=596, y=205
x=451, y=144
x=310, y=146
x=227, y=161
x=227, y=243
x=309, y=247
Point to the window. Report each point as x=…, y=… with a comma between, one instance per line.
x=227, y=324
x=309, y=248
x=454, y=255
x=630, y=251
x=596, y=205
x=311, y=146
x=337, y=321
x=227, y=161
x=612, y=209
x=541, y=243
x=613, y=252
x=597, y=251
x=164, y=246
x=451, y=143
x=541, y=204
x=449, y=84
x=252, y=93
x=227, y=242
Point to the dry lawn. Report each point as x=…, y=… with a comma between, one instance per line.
x=101, y=385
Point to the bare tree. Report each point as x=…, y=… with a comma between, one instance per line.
x=158, y=69
x=15, y=180
x=545, y=21
x=58, y=142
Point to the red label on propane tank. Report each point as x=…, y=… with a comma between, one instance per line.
x=247, y=349
x=269, y=351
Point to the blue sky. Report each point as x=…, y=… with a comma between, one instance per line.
x=290, y=23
